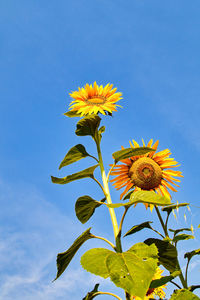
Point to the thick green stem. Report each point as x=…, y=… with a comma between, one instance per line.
x=106, y=190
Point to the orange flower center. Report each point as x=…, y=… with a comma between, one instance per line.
x=96, y=100
x=145, y=173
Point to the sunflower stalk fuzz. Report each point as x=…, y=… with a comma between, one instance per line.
x=144, y=176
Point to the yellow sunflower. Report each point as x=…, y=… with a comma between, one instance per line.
x=152, y=293
x=151, y=172
x=94, y=99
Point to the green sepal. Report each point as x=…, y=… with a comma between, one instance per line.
x=85, y=207
x=169, y=208
x=139, y=227
x=163, y=280
x=190, y=254
x=149, y=197
x=88, y=126
x=94, y=261
x=167, y=254
x=129, y=152
x=89, y=172
x=182, y=237
x=74, y=154
x=90, y=295
x=72, y=114
x=183, y=294
x=64, y=258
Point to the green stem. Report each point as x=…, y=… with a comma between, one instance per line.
x=97, y=181
x=161, y=221
x=186, y=270
x=167, y=236
x=106, y=189
x=107, y=293
x=105, y=240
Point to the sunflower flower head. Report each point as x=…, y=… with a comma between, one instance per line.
x=152, y=172
x=94, y=99
x=153, y=293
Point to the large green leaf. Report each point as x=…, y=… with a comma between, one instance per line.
x=74, y=154
x=139, y=227
x=182, y=237
x=94, y=261
x=190, y=254
x=88, y=126
x=64, y=258
x=128, y=152
x=76, y=176
x=127, y=271
x=183, y=294
x=167, y=253
x=85, y=207
x=91, y=295
x=149, y=197
x=163, y=280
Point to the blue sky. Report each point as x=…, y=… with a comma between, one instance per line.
x=150, y=51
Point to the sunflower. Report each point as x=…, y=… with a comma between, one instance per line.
x=94, y=99
x=151, y=172
x=152, y=293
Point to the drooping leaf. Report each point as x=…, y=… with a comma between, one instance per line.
x=64, y=258
x=139, y=227
x=190, y=254
x=182, y=237
x=127, y=271
x=85, y=207
x=94, y=261
x=128, y=152
x=169, y=208
x=88, y=126
x=74, y=154
x=167, y=253
x=184, y=294
x=91, y=295
x=163, y=280
x=76, y=176
x=176, y=231
x=72, y=114
x=149, y=197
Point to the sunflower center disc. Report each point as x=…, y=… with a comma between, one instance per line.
x=145, y=173
x=96, y=100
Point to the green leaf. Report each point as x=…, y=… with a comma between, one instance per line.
x=76, y=176
x=142, y=250
x=91, y=295
x=149, y=197
x=127, y=271
x=163, y=280
x=169, y=208
x=72, y=114
x=189, y=255
x=183, y=294
x=128, y=152
x=167, y=254
x=88, y=126
x=182, y=237
x=127, y=196
x=85, y=207
x=94, y=261
x=64, y=258
x=74, y=154
x=139, y=227
x=176, y=231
